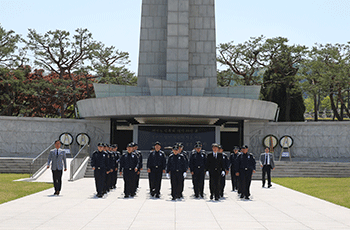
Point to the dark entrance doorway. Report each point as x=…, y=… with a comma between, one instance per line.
x=232, y=135
x=120, y=134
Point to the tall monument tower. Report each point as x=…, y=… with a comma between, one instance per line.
x=177, y=97
x=177, y=46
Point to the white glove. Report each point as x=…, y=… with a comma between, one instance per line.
x=185, y=174
x=167, y=175
x=207, y=173
x=223, y=173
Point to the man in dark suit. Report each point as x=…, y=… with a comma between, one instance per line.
x=216, y=168
x=267, y=163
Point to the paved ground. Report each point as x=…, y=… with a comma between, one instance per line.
x=78, y=208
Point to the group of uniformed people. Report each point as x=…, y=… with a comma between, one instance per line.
x=104, y=162
x=215, y=164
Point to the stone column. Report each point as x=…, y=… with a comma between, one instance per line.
x=178, y=40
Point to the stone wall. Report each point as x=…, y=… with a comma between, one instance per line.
x=27, y=137
x=312, y=140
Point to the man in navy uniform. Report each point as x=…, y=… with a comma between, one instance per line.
x=197, y=163
x=107, y=149
x=99, y=163
x=216, y=168
x=58, y=158
x=156, y=164
x=267, y=163
x=114, y=166
x=233, y=159
x=177, y=167
x=246, y=167
x=185, y=154
x=140, y=166
x=226, y=160
x=128, y=167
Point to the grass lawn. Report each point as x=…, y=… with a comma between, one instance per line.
x=11, y=190
x=335, y=190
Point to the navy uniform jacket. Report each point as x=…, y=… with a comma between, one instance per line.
x=226, y=161
x=197, y=160
x=129, y=161
x=215, y=164
x=114, y=160
x=245, y=161
x=177, y=163
x=99, y=160
x=156, y=160
x=233, y=159
x=139, y=155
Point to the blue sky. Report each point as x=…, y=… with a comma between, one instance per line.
x=117, y=22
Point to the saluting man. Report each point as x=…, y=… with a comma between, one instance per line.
x=246, y=167
x=58, y=158
x=99, y=163
x=156, y=164
x=177, y=167
x=267, y=163
x=197, y=163
x=128, y=167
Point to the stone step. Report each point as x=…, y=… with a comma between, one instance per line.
x=15, y=165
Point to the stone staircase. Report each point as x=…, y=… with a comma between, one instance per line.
x=15, y=165
x=285, y=169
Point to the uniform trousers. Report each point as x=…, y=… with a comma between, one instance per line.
x=177, y=183
x=234, y=180
x=100, y=180
x=222, y=185
x=155, y=179
x=57, y=179
x=198, y=182
x=214, y=183
x=266, y=170
x=129, y=177
x=114, y=176
x=108, y=182
x=245, y=181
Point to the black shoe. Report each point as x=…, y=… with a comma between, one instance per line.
x=263, y=186
x=202, y=195
x=152, y=193
x=99, y=195
x=247, y=198
x=196, y=196
x=157, y=196
x=173, y=198
x=270, y=185
x=216, y=198
x=242, y=196
x=211, y=197
x=126, y=196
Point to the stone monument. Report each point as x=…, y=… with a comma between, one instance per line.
x=177, y=81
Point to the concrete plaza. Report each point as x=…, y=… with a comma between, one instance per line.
x=78, y=208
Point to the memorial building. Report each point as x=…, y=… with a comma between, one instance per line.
x=177, y=98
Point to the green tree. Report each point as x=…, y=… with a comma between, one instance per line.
x=58, y=52
x=109, y=66
x=12, y=73
x=243, y=61
x=329, y=65
x=281, y=79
